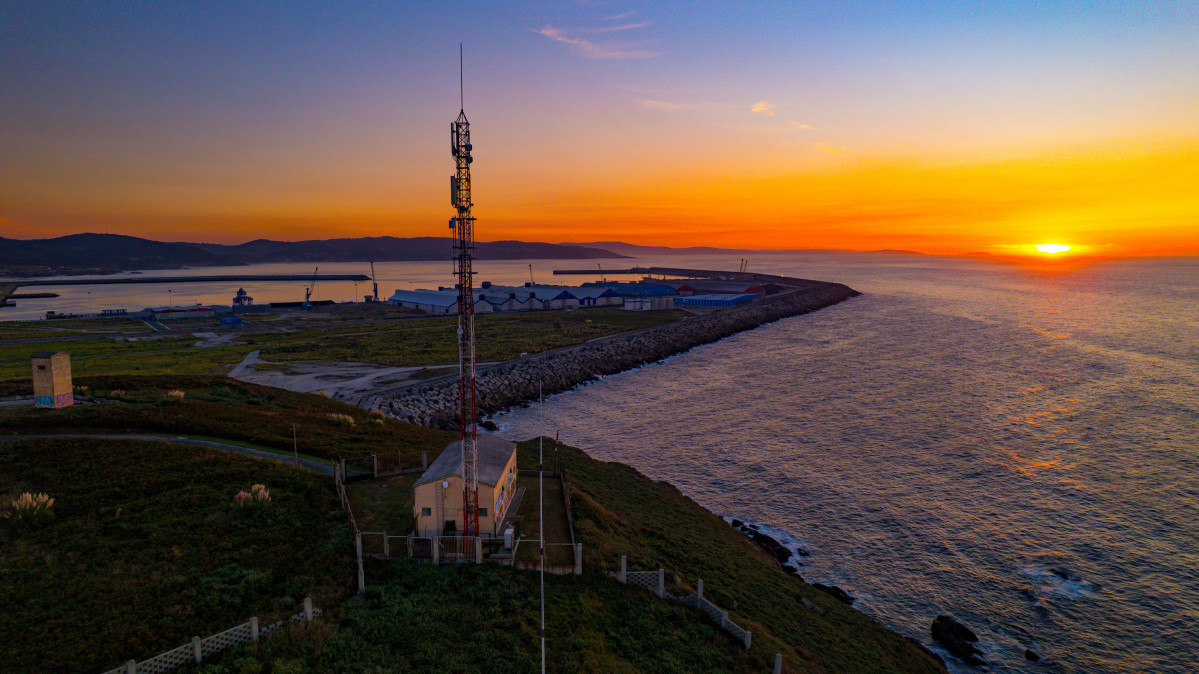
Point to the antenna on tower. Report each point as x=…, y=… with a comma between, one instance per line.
x=461, y=89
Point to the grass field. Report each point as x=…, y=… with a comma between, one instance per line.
x=145, y=550
x=422, y=342
x=223, y=408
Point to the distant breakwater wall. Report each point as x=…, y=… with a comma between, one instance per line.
x=434, y=403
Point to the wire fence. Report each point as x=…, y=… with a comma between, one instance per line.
x=655, y=581
x=199, y=649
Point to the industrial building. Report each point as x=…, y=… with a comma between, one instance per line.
x=438, y=492
x=493, y=298
x=52, y=385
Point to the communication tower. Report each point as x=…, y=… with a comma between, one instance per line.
x=464, y=224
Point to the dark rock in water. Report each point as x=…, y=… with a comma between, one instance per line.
x=1031, y=655
x=802, y=552
x=924, y=648
x=489, y=425
x=771, y=546
x=836, y=592
x=1063, y=574
x=957, y=639
x=752, y=526
x=736, y=524
x=792, y=570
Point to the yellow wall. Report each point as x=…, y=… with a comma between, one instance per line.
x=52, y=381
x=426, y=497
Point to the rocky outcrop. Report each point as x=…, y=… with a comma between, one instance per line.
x=835, y=592
x=502, y=385
x=958, y=640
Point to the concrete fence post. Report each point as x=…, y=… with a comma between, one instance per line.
x=433, y=547
x=308, y=609
x=661, y=583
x=375, y=457
x=361, y=577
x=131, y=667
x=386, y=546
x=578, y=559
x=699, y=590
x=199, y=652
x=254, y=628
x=343, y=469
x=778, y=663
x=624, y=563
x=424, y=459
x=358, y=544
x=478, y=549
x=749, y=636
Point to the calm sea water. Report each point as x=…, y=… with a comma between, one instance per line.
x=1017, y=449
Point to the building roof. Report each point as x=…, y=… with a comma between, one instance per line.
x=47, y=354
x=493, y=456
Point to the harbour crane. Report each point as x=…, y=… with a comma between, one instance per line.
x=309, y=288
x=374, y=283
x=531, y=281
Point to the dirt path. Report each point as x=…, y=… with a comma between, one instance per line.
x=306, y=464
x=336, y=380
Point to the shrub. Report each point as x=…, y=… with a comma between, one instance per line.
x=176, y=394
x=31, y=508
x=337, y=416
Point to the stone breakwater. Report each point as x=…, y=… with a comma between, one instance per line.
x=434, y=402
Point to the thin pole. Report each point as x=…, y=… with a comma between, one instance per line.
x=461, y=94
x=541, y=508
x=295, y=445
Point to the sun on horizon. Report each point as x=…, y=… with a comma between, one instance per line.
x=1052, y=248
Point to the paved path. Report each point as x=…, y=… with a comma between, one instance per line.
x=306, y=464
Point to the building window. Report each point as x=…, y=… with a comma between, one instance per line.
x=41, y=367
x=482, y=512
x=426, y=512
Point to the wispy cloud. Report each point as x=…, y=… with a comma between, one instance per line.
x=765, y=107
x=650, y=104
x=600, y=50
x=618, y=17
x=801, y=125
x=614, y=29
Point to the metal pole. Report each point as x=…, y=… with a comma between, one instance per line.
x=541, y=509
x=295, y=445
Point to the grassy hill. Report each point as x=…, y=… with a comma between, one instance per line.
x=146, y=532
x=146, y=550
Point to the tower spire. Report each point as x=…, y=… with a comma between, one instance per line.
x=464, y=222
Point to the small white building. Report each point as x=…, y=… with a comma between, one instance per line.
x=436, y=301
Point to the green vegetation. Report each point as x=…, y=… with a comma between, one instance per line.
x=557, y=527
x=227, y=409
x=145, y=550
x=467, y=618
x=421, y=342
x=71, y=327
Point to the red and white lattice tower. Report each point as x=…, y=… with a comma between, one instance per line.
x=464, y=223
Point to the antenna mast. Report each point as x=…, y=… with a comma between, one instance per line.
x=464, y=223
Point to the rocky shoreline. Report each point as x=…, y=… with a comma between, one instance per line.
x=434, y=402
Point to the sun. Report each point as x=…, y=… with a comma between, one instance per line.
x=1052, y=248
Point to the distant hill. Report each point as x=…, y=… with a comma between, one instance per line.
x=390, y=248
x=110, y=253
x=99, y=254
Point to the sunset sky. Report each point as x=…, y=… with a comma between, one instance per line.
x=760, y=125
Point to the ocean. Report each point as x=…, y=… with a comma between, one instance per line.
x=1016, y=448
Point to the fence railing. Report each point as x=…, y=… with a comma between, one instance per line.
x=198, y=649
x=655, y=581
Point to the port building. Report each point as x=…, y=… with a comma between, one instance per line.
x=438, y=491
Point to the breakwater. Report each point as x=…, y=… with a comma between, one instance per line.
x=434, y=402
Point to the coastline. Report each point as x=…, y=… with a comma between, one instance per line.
x=433, y=402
